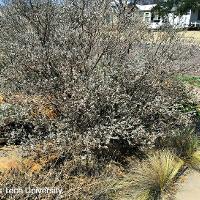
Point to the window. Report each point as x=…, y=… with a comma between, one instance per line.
x=147, y=14
x=152, y=16
x=188, y=12
x=147, y=17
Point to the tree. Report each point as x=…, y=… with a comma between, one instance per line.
x=180, y=7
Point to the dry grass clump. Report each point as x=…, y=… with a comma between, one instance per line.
x=152, y=179
x=155, y=176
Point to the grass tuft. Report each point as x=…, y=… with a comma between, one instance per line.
x=152, y=179
x=155, y=176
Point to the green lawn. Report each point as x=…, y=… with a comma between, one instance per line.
x=192, y=80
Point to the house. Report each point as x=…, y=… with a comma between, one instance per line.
x=144, y=11
x=189, y=20
x=148, y=16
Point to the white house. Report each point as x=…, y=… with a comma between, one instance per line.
x=153, y=20
x=190, y=19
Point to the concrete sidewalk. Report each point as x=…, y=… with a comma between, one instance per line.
x=190, y=188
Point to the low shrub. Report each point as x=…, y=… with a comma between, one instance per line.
x=186, y=145
x=105, y=82
x=183, y=143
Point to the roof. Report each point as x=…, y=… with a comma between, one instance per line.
x=146, y=7
x=127, y=2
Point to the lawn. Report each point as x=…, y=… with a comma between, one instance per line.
x=192, y=35
x=187, y=36
x=195, y=82
x=192, y=80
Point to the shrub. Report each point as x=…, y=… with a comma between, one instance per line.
x=107, y=81
x=183, y=143
x=108, y=89
x=9, y=112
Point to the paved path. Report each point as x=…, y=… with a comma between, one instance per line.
x=190, y=188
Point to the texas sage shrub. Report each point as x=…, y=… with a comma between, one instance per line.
x=110, y=79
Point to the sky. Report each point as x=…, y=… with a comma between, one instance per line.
x=1, y=1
